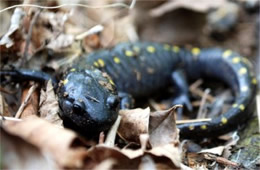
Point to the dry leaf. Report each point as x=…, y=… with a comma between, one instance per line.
x=99, y=153
x=4, y=107
x=16, y=21
x=216, y=150
x=166, y=156
x=147, y=163
x=31, y=107
x=49, y=106
x=65, y=147
x=61, y=42
x=133, y=123
x=199, y=6
x=19, y=154
x=162, y=127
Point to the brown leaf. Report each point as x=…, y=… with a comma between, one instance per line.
x=147, y=163
x=133, y=123
x=4, y=107
x=99, y=153
x=61, y=42
x=19, y=154
x=16, y=21
x=31, y=107
x=167, y=151
x=65, y=147
x=199, y=6
x=162, y=127
x=166, y=156
x=49, y=106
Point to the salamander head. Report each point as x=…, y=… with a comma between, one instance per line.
x=88, y=100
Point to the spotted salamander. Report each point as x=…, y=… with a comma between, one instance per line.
x=96, y=85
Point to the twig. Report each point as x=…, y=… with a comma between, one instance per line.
x=29, y=36
x=221, y=160
x=258, y=110
x=101, y=138
x=194, y=88
x=75, y=5
x=111, y=136
x=192, y=121
x=1, y=105
x=9, y=118
x=24, y=104
x=94, y=30
x=202, y=104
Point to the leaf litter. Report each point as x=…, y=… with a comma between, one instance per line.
x=151, y=138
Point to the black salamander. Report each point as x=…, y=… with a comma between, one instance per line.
x=89, y=99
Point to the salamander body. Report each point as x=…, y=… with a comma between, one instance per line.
x=90, y=91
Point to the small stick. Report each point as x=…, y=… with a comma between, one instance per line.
x=29, y=36
x=193, y=121
x=258, y=110
x=101, y=138
x=202, y=104
x=24, y=104
x=194, y=88
x=221, y=160
x=10, y=118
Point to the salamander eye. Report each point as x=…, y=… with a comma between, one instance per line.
x=78, y=107
x=113, y=101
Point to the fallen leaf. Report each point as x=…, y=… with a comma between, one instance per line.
x=162, y=127
x=199, y=6
x=147, y=163
x=31, y=107
x=16, y=21
x=67, y=149
x=4, y=107
x=216, y=150
x=49, y=106
x=133, y=123
x=61, y=42
x=168, y=151
x=18, y=154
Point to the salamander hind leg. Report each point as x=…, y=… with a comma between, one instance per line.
x=182, y=89
x=126, y=100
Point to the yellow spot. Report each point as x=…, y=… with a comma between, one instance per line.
x=129, y=53
x=96, y=64
x=101, y=62
x=236, y=60
x=176, y=49
x=111, y=82
x=204, y=127
x=244, y=88
x=195, y=51
x=224, y=120
x=254, y=81
x=242, y=107
x=73, y=69
x=235, y=105
x=226, y=53
x=65, y=81
x=242, y=71
x=136, y=49
x=191, y=127
x=117, y=60
x=150, y=49
x=166, y=47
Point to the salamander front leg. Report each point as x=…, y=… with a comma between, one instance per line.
x=182, y=89
x=26, y=75
x=127, y=101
